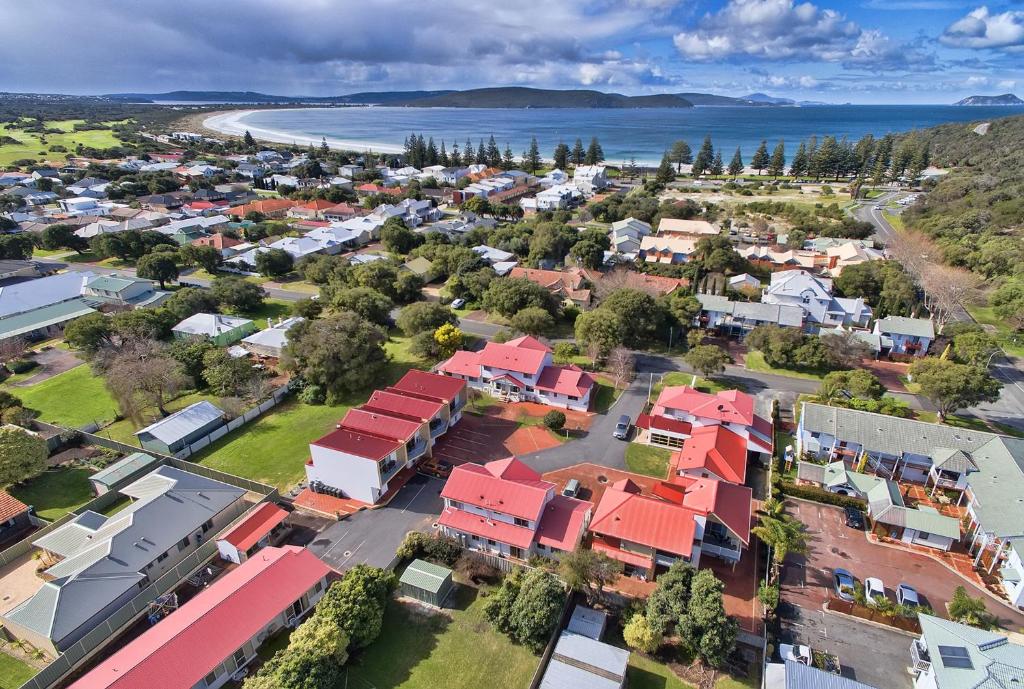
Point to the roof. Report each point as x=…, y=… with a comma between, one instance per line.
x=964, y=657
x=579, y=661
x=562, y=522
x=680, y=226
x=181, y=423
x=426, y=576
x=264, y=207
x=10, y=506
x=430, y=384
x=729, y=503
x=587, y=622
x=205, y=631
x=114, y=283
x=123, y=468
x=625, y=513
x=44, y=316
x=462, y=363
x=505, y=485
x=409, y=406
x=796, y=282
x=22, y=297
x=274, y=336
x=998, y=486
x=248, y=532
x=663, y=423
x=211, y=324
x=512, y=358
x=358, y=443
x=565, y=380
x=800, y=676
x=900, y=325
x=419, y=265
x=730, y=406
x=380, y=424
x=477, y=525
x=570, y=283
x=716, y=449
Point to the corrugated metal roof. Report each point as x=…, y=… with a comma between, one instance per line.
x=43, y=317
x=900, y=325
x=800, y=676
x=426, y=576
x=579, y=661
x=179, y=424
x=123, y=468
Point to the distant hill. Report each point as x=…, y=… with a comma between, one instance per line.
x=519, y=97
x=711, y=99
x=1005, y=99
x=764, y=98
x=364, y=98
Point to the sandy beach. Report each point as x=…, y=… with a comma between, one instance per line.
x=232, y=122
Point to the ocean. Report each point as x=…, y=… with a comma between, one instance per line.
x=643, y=134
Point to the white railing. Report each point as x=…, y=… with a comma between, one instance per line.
x=919, y=658
x=724, y=552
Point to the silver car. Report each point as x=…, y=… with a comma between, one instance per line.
x=622, y=427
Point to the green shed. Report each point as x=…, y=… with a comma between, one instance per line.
x=426, y=582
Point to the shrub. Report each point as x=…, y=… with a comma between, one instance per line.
x=312, y=394
x=639, y=634
x=437, y=548
x=768, y=594
x=554, y=420
x=21, y=365
x=821, y=495
x=565, y=351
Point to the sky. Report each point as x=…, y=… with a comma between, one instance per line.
x=858, y=51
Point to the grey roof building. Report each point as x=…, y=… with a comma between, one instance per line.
x=123, y=469
x=100, y=562
x=900, y=325
x=794, y=675
x=579, y=661
x=172, y=433
x=950, y=655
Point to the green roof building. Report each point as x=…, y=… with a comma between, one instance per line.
x=426, y=582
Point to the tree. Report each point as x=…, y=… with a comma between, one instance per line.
x=760, y=160
x=967, y=610
x=595, y=154
x=736, y=164
x=640, y=635
x=578, y=153
x=206, y=257
x=708, y=630
x=537, y=609
x=680, y=154
x=971, y=344
x=777, y=164
x=22, y=455
x=845, y=348
x=533, y=320
x=684, y=307
x=1008, y=302
x=248, y=141
x=951, y=386
x=855, y=383
x=666, y=173
x=948, y=288
x=357, y=603
x=341, y=353
x=408, y=287
x=141, y=374
x=704, y=157
x=160, y=267
x=667, y=605
x=707, y=360
x=507, y=296
x=449, y=339
x=226, y=375
x=89, y=333
x=561, y=156
x=587, y=571
x=621, y=364
x=143, y=324
x=189, y=301
x=397, y=238
x=189, y=353
x=554, y=420
x=368, y=303
x=799, y=165
x=237, y=294
x=61, y=236
x=531, y=156
x=784, y=535
x=600, y=332
x=424, y=316
x=588, y=253
x=17, y=247
x=641, y=314
x=717, y=169
x=274, y=263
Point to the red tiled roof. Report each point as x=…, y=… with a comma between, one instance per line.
x=529, y=342
x=317, y=205
x=716, y=449
x=729, y=503
x=565, y=380
x=731, y=406
x=519, y=536
x=767, y=429
x=430, y=384
x=512, y=358
x=462, y=363
x=358, y=443
x=217, y=241
x=645, y=520
x=404, y=405
x=342, y=208
x=267, y=206
x=663, y=423
x=369, y=421
x=10, y=506
x=562, y=522
x=506, y=485
x=569, y=283
x=249, y=531
x=205, y=631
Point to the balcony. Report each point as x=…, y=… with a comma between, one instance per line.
x=417, y=449
x=438, y=427
x=721, y=548
x=389, y=469
x=919, y=658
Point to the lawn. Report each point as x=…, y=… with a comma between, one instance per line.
x=13, y=672
x=604, y=396
x=647, y=673
x=1011, y=341
x=969, y=422
x=755, y=362
x=271, y=308
x=647, y=460
x=457, y=649
x=895, y=220
x=708, y=385
x=124, y=430
x=73, y=398
x=30, y=144
x=56, y=492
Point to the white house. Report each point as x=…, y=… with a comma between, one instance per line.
x=271, y=340
x=952, y=655
x=555, y=198
x=905, y=335
x=667, y=249
x=627, y=234
x=691, y=228
x=813, y=294
x=590, y=179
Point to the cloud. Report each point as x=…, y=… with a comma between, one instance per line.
x=981, y=29
x=784, y=30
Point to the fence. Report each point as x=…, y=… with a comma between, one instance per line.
x=549, y=649
x=266, y=405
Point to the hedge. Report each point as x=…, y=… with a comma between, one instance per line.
x=821, y=495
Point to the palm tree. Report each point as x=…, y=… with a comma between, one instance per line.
x=784, y=535
x=772, y=507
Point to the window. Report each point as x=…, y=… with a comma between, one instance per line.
x=161, y=557
x=520, y=522
x=491, y=541
x=211, y=678
x=455, y=504
x=319, y=587
x=183, y=544
x=207, y=526
x=239, y=657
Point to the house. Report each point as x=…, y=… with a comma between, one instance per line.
x=492, y=255
x=162, y=203
x=211, y=639
x=175, y=432
x=271, y=340
x=222, y=330
x=681, y=410
x=268, y=208
x=95, y=564
x=712, y=451
x=340, y=212
x=687, y=228
x=426, y=582
x=655, y=285
x=667, y=249
x=737, y=318
x=522, y=370
x=579, y=661
x=253, y=533
x=1012, y=574
x=94, y=229
x=558, y=197
x=744, y=281
x=950, y=655
x=311, y=210
x=590, y=179
x=814, y=295
x=124, y=291
x=219, y=241
x=850, y=254
x=569, y=286
x=790, y=674
x=907, y=336
x=627, y=234
x=771, y=259
x=37, y=309
x=350, y=170
x=420, y=266
x=15, y=518
x=678, y=520
x=121, y=471
x=886, y=507
x=392, y=431
x=81, y=205
x=505, y=508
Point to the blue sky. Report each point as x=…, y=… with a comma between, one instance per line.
x=860, y=51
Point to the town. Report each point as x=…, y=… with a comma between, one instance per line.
x=299, y=416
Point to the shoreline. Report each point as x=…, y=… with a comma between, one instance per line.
x=229, y=122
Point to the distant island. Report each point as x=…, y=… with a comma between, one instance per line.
x=1005, y=99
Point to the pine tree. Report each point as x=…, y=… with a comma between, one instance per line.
x=704, y=157
x=777, y=164
x=493, y=153
x=481, y=153
x=736, y=164
x=863, y=153
x=248, y=140
x=561, y=156
x=826, y=160
x=531, y=157
x=882, y=159
x=507, y=161
x=594, y=152
x=760, y=160
x=681, y=154
x=455, y=160
x=442, y=158
x=324, y=148
x=431, y=156
x=666, y=173
x=799, y=165
x=717, y=169
x=467, y=153
x=578, y=153
x=812, y=158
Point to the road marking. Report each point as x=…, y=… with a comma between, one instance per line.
x=336, y=543
x=404, y=509
x=824, y=627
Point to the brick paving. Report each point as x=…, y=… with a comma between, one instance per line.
x=888, y=372
x=327, y=505
x=482, y=439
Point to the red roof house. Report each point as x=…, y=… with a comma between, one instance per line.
x=730, y=408
x=243, y=539
x=432, y=385
x=713, y=451
x=205, y=633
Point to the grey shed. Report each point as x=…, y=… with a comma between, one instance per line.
x=426, y=582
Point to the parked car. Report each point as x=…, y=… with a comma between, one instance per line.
x=843, y=583
x=797, y=653
x=622, y=427
x=854, y=518
x=874, y=591
x=906, y=595
x=458, y=303
x=572, y=488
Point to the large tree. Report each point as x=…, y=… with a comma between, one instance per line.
x=158, y=266
x=951, y=386
x=537, y=609
x=341, y=353
x=588, y=571
x=22, y=455
x=736, y=164
x=89, y=333
x=225, y=374
x=61, y=236
x=707, y=360
x=274, y=263
x=777, y=163
x=237, y=294
x=507, y=296
x=422, y=316
x=705, y=156
x=666, y=173
x=398, y=238
x=641, y=314
x=368, y=303
x=533, y=320
x=357, y=603
x=600, y=332
x=531, y=156
x=189, y=301
x=760, y=160
x=141, y=374
x=708, y=630
x=680, y=154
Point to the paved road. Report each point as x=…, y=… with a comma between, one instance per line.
x=871, y=211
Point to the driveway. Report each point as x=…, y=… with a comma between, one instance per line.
x=372, y=536
x=52, y=361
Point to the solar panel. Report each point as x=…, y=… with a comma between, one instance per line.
x=955, y=657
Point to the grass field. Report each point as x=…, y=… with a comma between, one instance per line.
x=895, y=220
x=677, y=378
x=456, y=650
x=13, y=672
x=56, y=492
x=647, y=460
x=272, y=308
x=73, y=398
x=124, y=430
x=1012, y=342
x=31, y=145
x=604, y=396
x=755, y=362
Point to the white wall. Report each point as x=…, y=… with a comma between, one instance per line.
x=357, y=477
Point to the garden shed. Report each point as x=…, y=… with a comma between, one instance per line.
x=426, y=582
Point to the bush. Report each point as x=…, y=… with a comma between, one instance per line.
x=821, y=495
x=565, y=351
x=21, y=365
x=640, y=635
x=437, y=548
x=554, y=420
x=312, y=394
x=768, y=594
